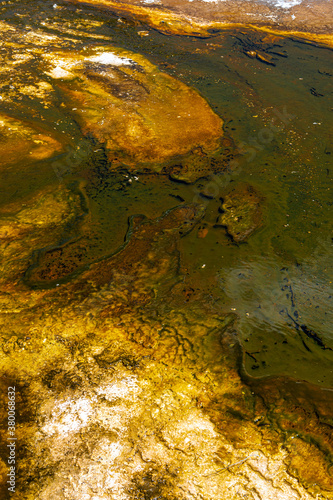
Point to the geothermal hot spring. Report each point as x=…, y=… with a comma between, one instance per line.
x=166, y=250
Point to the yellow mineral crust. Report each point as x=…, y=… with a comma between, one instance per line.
x=20, y=142
x=170, y=19
x=141, y=114
x=166, y=21
x=131, y=403
x=140, y=407
x=38, y=222
x=325, y=40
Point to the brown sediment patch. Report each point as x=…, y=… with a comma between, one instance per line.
x=146, y=239
x=311, y=21
x=242, y=212
x=142, y=115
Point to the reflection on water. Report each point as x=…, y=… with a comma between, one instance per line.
x=284, y=310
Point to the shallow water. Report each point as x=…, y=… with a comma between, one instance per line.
x=279, y=121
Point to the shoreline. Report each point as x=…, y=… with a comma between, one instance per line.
x=304, y=21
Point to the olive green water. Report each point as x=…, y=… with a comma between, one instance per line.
x=279, y=120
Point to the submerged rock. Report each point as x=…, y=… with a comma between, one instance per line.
x=142, y=115
x=242, y=212
x=266, y=58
